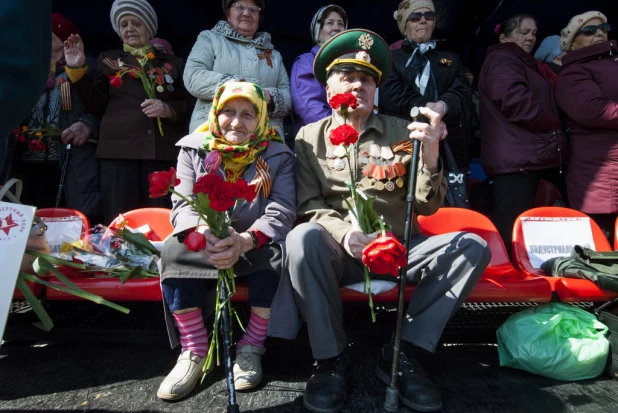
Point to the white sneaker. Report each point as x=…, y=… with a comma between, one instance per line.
x=184, y=376
x=248, y=367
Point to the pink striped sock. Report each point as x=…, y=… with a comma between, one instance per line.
x=193, y=333
x=255, y=333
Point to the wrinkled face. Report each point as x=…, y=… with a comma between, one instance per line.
x=524, y=35
x=333, y=24
x=360, y=84
x=246, y=21
x=237, y=120
x=420, y=31
x=133, y=31
x=586, y=39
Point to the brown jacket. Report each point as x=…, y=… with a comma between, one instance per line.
x=321, y=190
x=126, y=133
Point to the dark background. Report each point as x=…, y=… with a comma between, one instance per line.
x=467, y=26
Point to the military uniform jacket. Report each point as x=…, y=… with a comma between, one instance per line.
x=321, y=188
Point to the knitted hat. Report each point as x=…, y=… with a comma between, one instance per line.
x=575, y=25
x=227, y=3
x=549, y=49
x=162, y=42
x=62, y=27
x=407, y=7
x=140, y=8
x=356, y=50
x=315, y=23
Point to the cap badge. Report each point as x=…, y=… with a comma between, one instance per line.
x=365, y=41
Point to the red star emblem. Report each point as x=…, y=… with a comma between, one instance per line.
x=7, y=223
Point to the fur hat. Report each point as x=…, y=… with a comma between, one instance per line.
x=407, y=7
x=575, y=25
x=62, y=27
x=140, y=8
x=227, y=3
x=315, y=23
x=549, y=49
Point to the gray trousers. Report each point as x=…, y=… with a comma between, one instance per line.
x=444, y=268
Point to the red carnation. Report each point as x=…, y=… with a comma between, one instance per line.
x=345, y=99
x=195, y=241
x=223, y=197
x=161, y=182
x=344, y=134
x=115, y=81
x=206, y=183
x=37, y=146
x=385, y=255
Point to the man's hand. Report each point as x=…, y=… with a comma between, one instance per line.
x=155, y=108
x=437, y=107
x=354, y=242
x=429, y=134
x=76, y=134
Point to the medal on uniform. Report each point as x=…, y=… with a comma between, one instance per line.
x=400, y=170
x=339, y=164
x=390, y=174
x=170, y=88
x=160, y=89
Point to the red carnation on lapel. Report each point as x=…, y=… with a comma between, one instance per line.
x=344, y=134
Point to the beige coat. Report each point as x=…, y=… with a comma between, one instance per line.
x=321, y=189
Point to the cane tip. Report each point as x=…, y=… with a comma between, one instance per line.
x=391, y=400
x=414, y=112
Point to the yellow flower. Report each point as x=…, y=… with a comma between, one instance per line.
x=24, y=128
x=39, y=134
x=150, y=55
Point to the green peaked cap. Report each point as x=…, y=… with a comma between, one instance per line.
x=353, y=50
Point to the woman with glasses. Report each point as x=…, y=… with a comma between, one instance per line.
x=522, y=139
x=424, y=76
x=235, y=50
x=587, y=91
x=308, y=95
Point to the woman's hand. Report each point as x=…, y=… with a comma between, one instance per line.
x=231, y=248
x=76, y=134
x=74, y=51
x=155, y=108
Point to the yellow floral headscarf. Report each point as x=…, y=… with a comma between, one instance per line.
x=237, y=157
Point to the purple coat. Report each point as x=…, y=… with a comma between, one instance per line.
x=519, y=118
x=587, y=91
x=308, y=95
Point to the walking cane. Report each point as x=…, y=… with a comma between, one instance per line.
x=63, y=174
x=227, y=349
x=391, y=401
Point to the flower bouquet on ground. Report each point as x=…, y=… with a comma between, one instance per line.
x=385, y=254
x=213, y=198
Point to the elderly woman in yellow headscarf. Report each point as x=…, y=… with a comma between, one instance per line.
x=238, y=130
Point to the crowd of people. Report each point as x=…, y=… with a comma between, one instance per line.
x=140, y=108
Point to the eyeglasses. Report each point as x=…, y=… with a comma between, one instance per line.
x=241, y=8
x=591, y=30
x=416, y=17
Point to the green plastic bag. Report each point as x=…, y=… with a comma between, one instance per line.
x=555, y=340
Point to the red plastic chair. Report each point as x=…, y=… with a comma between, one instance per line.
x=567, y=289
x=49, y=215
x=616, y=236
x=546, y=194
x=500, y=282
x=144, y=289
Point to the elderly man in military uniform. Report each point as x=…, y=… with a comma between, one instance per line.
x=325, y=251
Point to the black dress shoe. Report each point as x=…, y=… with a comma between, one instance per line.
x=415, y=389
x=325, y=391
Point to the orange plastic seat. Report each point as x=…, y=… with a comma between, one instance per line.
x=501, y=282
x=142, y=289
x=616, y=236
x=546, y=194
x=567, y=289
